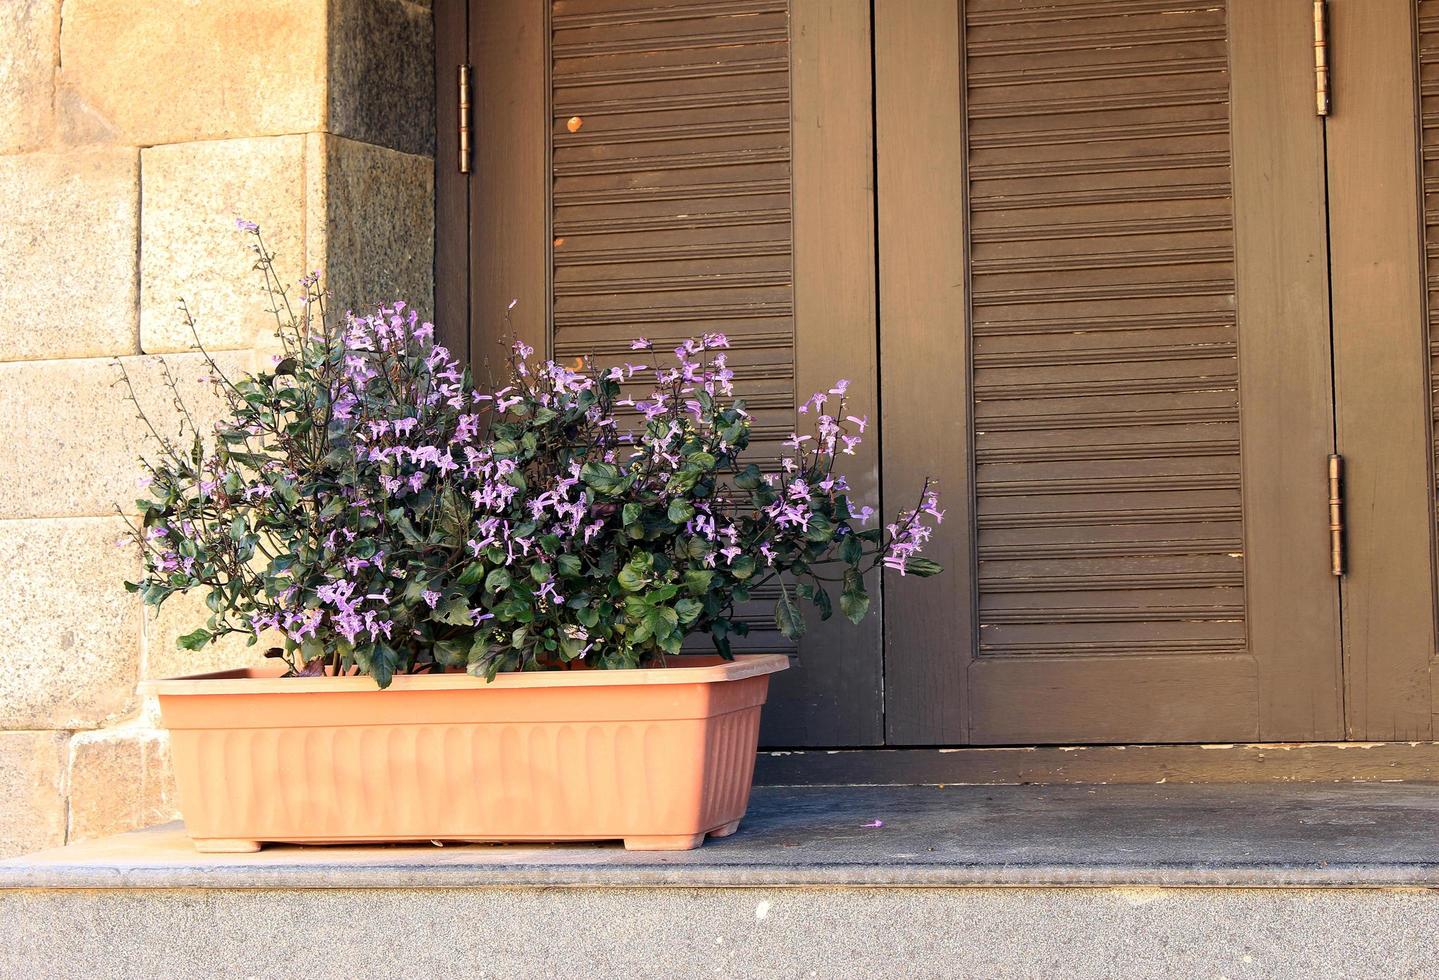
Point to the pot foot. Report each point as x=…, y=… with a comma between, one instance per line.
x=726, y=830
x=665, y=842
x=225, y=845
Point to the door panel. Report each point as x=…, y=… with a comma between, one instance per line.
x=1138, y=234
x=1385, y=371
x=666, y=170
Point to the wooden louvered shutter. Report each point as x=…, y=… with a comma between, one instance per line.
x=1104, y=322
x=666, y=168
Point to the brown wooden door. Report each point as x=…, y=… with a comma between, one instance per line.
x=1104, y=321
x=1081, y=254
x=670, y=169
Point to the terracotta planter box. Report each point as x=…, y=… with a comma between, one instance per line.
x=658, y=758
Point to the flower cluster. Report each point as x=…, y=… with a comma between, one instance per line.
x=366, y=503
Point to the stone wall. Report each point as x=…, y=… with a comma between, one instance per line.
x=132, y=134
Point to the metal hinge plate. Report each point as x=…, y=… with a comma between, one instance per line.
x=1336, y=514
x=1321, y=57
x=464, y=121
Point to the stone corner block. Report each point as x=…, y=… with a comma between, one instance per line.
x=372, y=229
x=32, y=791
x=382, y=74
x=69, y=632
x=191, y=249
x=68, y=239
x=120, y=780
x=165, y=71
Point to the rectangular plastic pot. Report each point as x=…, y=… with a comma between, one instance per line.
x=658, y=757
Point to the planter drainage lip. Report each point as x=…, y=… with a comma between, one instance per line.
x=1371, y=836
x=693, y=669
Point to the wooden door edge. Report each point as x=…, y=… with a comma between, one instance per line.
x=1260, y=762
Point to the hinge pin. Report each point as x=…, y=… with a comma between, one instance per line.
x=464, y=129
x=1336, y=514
x=1321, y=57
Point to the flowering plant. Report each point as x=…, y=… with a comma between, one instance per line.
x=366, y=502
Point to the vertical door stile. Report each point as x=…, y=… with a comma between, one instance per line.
x=452, y=188
x=924, y=331
x=838, y=692
x=1286, y=365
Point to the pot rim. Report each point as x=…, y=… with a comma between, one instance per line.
x=710, y=669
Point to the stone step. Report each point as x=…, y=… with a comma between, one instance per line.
x=1074, y=881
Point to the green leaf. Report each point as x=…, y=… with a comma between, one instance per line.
x=661, y=620
x=452, y=653
x=195, y=640
x=820, y=528
x=456, y=612
x=851, y=550
x=477, y=661
x=697, y=580
x=630, y=514
x=787, y=616
x=473, y=572
x=854, y=600
x=605, y=478
x=663, y=594
x=569, y=564
x=923, y=567
x=497, y=581
x=633, y=576
x=822, y=600
x=680, y=511
x=408, y=530
x=382, y=663
x=688, y=610
x=749, y=478
x=742, y=567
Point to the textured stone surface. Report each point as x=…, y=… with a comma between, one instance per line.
x=28, y=32
x=163, y=71
x=72, y=439
x=69, y=633
x=32, y=791
x=180, y=615
x=382, y=74
x=119, y=780
x=590, y=932
x=191, y=249
x=67, y=253
x=373, y=231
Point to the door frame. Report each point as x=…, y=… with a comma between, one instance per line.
x=1369, y=133
x=1382, y=365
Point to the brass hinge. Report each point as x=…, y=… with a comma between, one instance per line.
x=1336, y=514
x=464, y=130
x=1321, y=57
